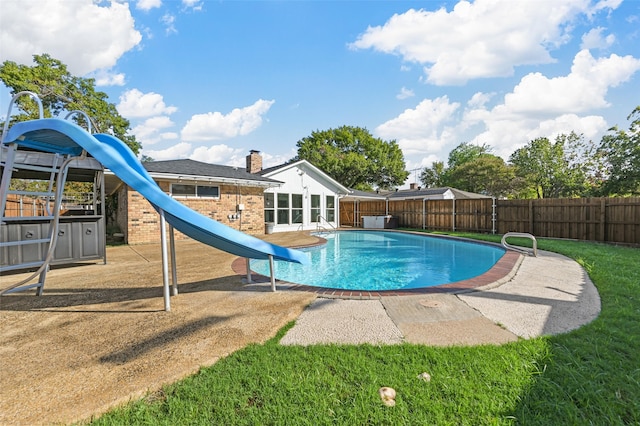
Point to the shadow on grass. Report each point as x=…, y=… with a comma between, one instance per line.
x=592, y=375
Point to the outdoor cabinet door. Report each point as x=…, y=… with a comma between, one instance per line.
x=64, y=243
x=88, y=239
x=31, y=252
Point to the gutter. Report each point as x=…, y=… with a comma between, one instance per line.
x=209, y=179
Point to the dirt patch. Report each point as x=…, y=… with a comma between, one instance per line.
x=99, y=336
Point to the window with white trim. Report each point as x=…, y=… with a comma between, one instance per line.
x=296, y=208
x=283, y=209
x=269, y=207
x=330, y=209
x=315, y=208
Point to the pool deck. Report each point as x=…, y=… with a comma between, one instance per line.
x=99, y=336
x=548, y=294
x=521, y=296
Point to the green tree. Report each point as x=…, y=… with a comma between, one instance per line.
x=620, y=152
x=434, y=176
x=438, y=175
x=61, y=93
x=465, y=152
x=552, y=170
x=486, y=174
x=353, y=157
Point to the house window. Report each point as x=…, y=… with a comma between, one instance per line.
x=269, y=205
x=330, y=209
x=315, y=208
x=296, y=208
x=283, y=209
x=202, y=191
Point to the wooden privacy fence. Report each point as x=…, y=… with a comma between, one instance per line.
x=18, y=206
x=592, y=219
x=474, y=215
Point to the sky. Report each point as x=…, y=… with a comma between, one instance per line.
x=211, y=80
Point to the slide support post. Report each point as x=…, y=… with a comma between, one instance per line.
x=165, y=263
x=174, y=269
x=273, y=277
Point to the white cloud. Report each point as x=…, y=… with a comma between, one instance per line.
x=478, y=100
x=581, y=90
x=192, y=4
x=107, y=78
x=595, y=40
x=538, y=106
x=421, y=130
x=219, y=154
x=215, y=125
x=149, y=132
x=134, y=103
x=83, y=34
x=180, y=150
x=405, y=93
x=169, y=22
x=148, y=4
x=486, y=38
x=270, y=160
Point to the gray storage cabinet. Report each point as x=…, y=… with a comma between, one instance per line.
x=80, y=238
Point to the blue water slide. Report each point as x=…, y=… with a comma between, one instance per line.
x=62, y=136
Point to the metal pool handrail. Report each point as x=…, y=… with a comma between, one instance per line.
x=506, y=245
x=321, y=227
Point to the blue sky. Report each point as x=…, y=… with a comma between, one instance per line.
x=210, y=80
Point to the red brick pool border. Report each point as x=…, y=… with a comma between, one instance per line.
x=500, y=273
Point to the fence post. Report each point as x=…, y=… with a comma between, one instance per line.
x=531, y=217
x=603, y=218
x=453, y=213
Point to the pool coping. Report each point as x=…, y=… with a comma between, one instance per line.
x=502, y=272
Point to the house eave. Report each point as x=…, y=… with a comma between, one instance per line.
x=174, y=177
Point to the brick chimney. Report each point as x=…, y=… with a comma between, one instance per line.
x=254, y=161
x=413, y=186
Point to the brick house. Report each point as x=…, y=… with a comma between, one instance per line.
x=230, y=195
x=289, y=197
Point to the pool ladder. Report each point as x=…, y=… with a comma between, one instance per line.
x=523, y=250
x=321, y=228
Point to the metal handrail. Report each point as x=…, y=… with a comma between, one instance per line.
x=13, y=99
x=523, y=250
x=83, y=114
x=319, y=226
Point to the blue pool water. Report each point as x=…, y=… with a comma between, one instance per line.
x=378, y=260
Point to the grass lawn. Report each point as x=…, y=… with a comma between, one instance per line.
x=588, y=376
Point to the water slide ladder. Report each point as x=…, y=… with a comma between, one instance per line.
x=12, y=161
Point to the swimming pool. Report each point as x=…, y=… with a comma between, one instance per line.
x=382, y=260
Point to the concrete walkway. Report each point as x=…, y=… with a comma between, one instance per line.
x=549, y=294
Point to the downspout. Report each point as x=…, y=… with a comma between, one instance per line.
x=424, y=212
